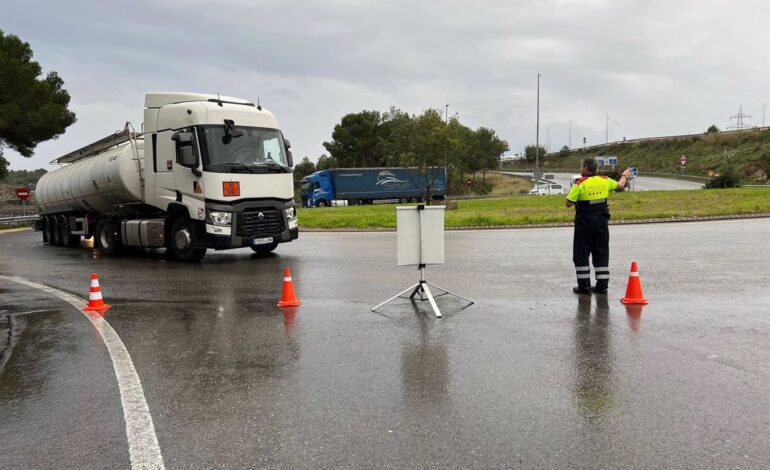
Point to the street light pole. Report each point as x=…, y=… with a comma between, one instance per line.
x=446, y=114
x=607, y=137
x=570, y=135
x=537, y=131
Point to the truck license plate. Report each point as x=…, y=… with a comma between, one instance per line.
x=262, y=241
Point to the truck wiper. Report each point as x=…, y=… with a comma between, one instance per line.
x=242, y=166
x=274, y=166
x=232, y=166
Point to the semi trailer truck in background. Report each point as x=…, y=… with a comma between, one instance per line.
x=368, y=185
x=206, y=172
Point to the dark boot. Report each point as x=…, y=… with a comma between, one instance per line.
x=582, y=291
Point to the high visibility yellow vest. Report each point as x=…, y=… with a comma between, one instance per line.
x=592, y=188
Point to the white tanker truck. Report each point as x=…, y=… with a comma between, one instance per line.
x=207, y=172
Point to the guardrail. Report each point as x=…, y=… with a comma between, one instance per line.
x=9, y=220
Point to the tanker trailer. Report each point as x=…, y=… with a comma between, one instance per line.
x=207, y=172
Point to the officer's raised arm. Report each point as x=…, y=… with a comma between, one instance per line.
x=623, y=181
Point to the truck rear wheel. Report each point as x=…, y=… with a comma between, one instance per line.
x=107, y=239
x=55, y=238
x=47, y=232
x=322, y=203
x=67, y=238
x=185, y=240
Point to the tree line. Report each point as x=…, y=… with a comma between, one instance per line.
x=397, y=139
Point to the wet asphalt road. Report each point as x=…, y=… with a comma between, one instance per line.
x=530, y=376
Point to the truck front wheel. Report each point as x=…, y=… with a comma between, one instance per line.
x=184, y=241
x=322, y=203
x=107, y=239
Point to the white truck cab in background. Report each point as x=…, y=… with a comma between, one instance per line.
x=544, y=189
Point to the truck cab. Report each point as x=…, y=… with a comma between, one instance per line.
x=317, y=189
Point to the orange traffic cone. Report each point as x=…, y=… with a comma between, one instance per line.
x=288, y=297
x=95, y=302
x=634, y=290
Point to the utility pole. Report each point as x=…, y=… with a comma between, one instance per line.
x=446, y=144
x=570, y=135
x=537, y=132
x=607, y=137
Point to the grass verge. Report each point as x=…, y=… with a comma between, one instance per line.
x=527, y=210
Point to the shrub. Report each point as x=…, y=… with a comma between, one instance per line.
x=728, y=175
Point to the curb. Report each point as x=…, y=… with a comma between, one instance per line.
x=557, y=224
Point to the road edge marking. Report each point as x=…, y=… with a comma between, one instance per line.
x=143, y=447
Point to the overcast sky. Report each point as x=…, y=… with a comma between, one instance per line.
x=655, y=67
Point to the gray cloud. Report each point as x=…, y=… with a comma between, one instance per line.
x=655, y=67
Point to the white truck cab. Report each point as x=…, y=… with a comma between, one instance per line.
x=207, y=172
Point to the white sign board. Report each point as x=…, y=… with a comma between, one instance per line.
x=420, y=235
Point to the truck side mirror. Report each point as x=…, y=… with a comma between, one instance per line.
x=181, y=137
x=289, y=158
x=185, y=150
x=287, y=143
x=185, y=156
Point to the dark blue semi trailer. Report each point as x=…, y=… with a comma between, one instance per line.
x=367, y=185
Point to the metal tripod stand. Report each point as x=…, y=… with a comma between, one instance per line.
x=422, y=289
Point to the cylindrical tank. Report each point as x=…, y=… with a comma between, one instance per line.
x=94, y=184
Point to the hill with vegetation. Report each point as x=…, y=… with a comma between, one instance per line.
x=708, y=155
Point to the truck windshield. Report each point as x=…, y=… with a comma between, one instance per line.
x=305, y=185
x=258, y=150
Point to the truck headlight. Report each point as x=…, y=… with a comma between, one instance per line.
x=222, y=219
x=291, y=212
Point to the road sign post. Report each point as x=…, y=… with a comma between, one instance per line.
x=683, y=163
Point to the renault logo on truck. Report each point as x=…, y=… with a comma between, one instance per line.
x=260, y=216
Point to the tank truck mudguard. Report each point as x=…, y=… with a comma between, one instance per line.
x=253, y=223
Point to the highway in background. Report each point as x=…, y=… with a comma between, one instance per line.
x=641, y=183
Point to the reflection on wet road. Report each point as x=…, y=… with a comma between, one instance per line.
x=529, y=376
x=593, y=360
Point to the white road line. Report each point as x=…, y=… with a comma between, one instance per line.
x=143, y=447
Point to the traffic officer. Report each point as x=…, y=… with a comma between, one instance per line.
x=592, y=235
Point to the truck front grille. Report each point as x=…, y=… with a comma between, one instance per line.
x=250, y=225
